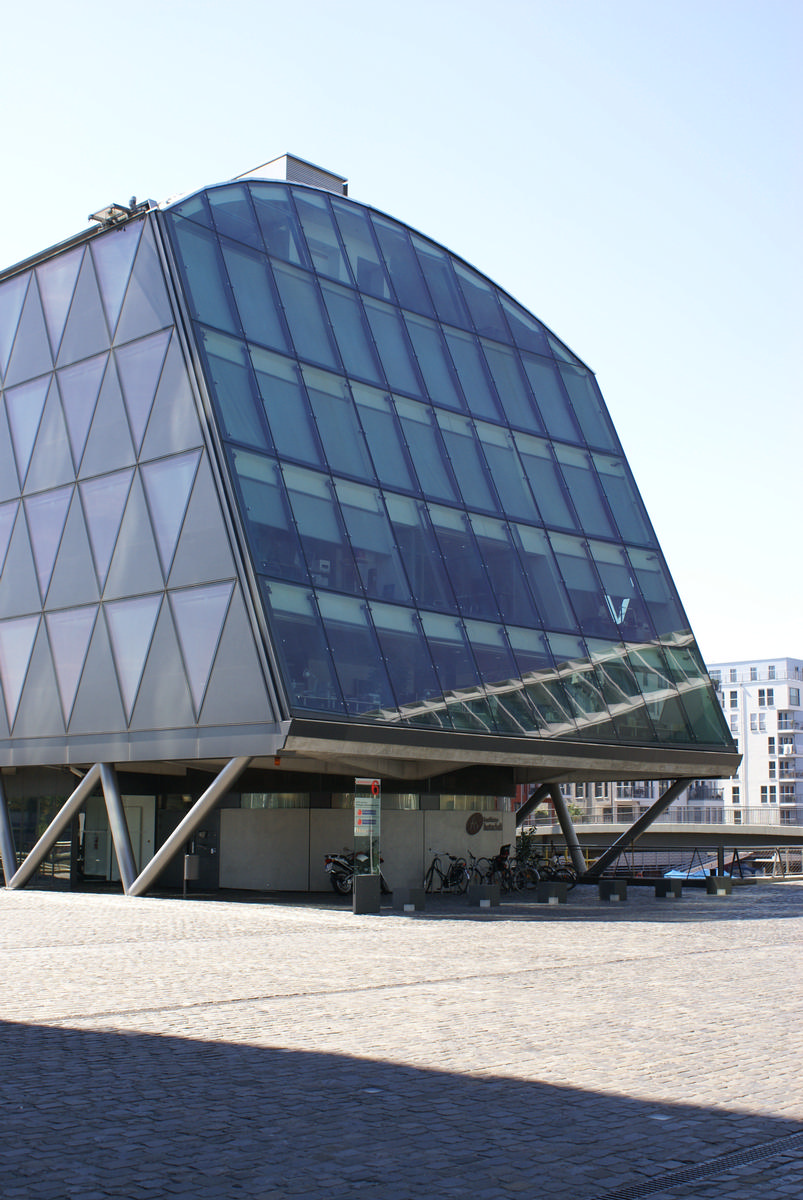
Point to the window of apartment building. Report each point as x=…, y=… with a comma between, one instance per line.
x=735, y=796
x=769, y=794
x=753, y=674
x=579, y=791
x=737, y=818
x=716, y=676
x=771, y=771
x=734, y=699
x=732, y=675
x=787, y=793
x=770, y=671
x=762, y=722
x=598, y=792
x=734, y=723
x=785, y=720
x=794, y=697
x=766, y=697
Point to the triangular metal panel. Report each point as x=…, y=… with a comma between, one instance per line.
x=109, y=445
x=51, y=461
x=98, y=706
x=131, y=625
x=8, y=515
x=236, y=693
x=164, y=700
x=39, y=711
x=104, y=499
x=30, y=355
x=4, y=730
x=16, y=646
x=69, y=632
x=135, y=564
x=79, y=386
x=46, y=514
x=146, y=306
x=113, y=255
x=56, y=280
x=168, y=486
x=199, y=614
x=9, y=483
x=139, y=365
x=86, y=332
x=173, y=424
x=73, y=580
x=12, y=298
x=24, y=407
x=203, y=550
x=19, y=588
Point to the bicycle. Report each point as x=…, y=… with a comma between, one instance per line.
x=455, y=878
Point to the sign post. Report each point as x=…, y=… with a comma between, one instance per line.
x=367, y=814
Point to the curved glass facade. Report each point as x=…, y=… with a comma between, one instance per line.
x=443, y=525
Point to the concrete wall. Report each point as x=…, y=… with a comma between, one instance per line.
x=284, y=849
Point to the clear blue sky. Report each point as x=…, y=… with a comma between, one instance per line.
x=629, y=169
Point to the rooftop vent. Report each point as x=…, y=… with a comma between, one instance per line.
x=298, y=170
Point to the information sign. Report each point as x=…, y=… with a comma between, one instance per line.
x=367, y=815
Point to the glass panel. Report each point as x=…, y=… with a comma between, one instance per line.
x=551, y=398
x=79, y=387
x=233, y=215
x=588, y=406
x=363, y=254
x=12, y=295
x=46, y=515
x=69, y=634
x=580, y=686
x=322, y=240
x=146, y=307
x=588, y=600
x=168, y=484
x=139, y=365
x=621, y=593
x=7, y=514
x=113, y=255
x=263, y=505
x=298, y=638
x=104, y=501
x=201, y=262
x=439, y=275
x=57, y=280
x=584, y=489
x=511, y=386
x=229, y=371
x=199, y=614
x=16, y=646
x=473, y=374
x=545, y=582
x=403, y=269
x=356, y=348
x=467, y=464
x=278, y=222
x=389, y=334
x=383, y=437
x=336, y=419
x=305, y=316
x=658, y=591
x=131, y=624
x=434, y=362
x=530, y=651
x=404, y=648
x=372, y=542
x=254, y=295
x=528, y=334
x=623, y=499
x=491, y=653
x=504, y=570
x=286, y=407
x=662, y=703
x=31, y=354
x=462, y=561
x=507, y=472
x=420, y=553
x=546, y=482
x=553, y=708
x=359, y=666
x=446, y=640
x=194, y=208
x=25, y=405
x=482, y=303
x=425, y=450
x=331, y=563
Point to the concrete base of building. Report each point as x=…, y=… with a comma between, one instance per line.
x=612, y=889
x=669, y=889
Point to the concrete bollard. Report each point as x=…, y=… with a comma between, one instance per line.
x=612, y=889
x=484, y=895
x=549, y=891
x=409, y=899
x=718, y=885
x=665, y=888
x=366, y=894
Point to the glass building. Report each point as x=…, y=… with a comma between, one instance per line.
x=291, y=493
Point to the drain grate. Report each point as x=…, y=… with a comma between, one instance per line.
x=714, y=1166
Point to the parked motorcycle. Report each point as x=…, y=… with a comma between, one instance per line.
x=340, y=868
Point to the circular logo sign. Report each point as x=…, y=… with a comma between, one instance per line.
x=474, y=823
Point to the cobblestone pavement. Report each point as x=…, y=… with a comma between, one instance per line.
x=160, y=1048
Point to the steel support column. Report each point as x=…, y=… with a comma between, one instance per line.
x=8, y=853
x=60, y=822
x=186, y=828
x=118, y=825
x=567, y=829
x=531, y=803
x=637, y=828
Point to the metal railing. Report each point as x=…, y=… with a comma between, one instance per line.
x=621, y=812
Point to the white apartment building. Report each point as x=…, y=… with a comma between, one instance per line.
x=761, y=701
